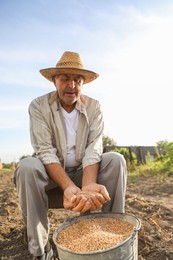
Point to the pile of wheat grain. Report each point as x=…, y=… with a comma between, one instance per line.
x=90, y=235
x=90, y=194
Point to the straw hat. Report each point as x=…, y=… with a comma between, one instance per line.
x=70, y=63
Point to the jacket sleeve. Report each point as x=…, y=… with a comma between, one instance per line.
x=94, y=146
x=41, y=135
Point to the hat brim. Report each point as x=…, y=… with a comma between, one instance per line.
x=51, y=72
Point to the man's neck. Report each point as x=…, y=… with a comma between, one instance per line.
x=68, y=108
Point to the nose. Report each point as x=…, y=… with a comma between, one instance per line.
x=72, y=83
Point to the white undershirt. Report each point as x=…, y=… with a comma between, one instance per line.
x=71, y=123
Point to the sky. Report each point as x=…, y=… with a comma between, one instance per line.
x=128, y=43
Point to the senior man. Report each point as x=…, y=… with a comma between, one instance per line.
x=66, y=129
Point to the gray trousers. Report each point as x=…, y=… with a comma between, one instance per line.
x=32, y=181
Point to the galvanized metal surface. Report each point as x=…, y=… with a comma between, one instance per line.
x=127, y=250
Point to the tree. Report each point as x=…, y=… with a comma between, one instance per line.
x=108, y=141
x=168, y=156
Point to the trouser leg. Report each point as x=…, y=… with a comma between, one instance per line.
x=31, y=179
x=113, y=175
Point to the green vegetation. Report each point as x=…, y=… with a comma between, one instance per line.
x=5, y=170
x=161, y=166
x=8, y=166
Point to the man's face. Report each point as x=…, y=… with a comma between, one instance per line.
x=69, y=89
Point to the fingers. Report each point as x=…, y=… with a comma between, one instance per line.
x=97, y=200
x=67, y=204
x=82, y=206
x=73, y=199
x=100, y=198
x=105, y=193
x=93, y=205
x=86, y=200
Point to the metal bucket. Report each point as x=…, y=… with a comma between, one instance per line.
x=127, y=250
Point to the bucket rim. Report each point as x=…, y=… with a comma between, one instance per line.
x=84, y=216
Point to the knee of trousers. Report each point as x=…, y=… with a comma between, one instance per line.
x=115, y=159
x=30, y=169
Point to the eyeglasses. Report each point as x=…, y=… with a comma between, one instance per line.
x=78, y=79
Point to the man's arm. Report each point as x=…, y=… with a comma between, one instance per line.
x=58, y=175
x=70, y=201
x=90, y=174
x=91, y=160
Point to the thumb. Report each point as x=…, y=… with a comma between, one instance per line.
x=73, y=198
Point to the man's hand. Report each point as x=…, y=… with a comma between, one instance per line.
x=75, y=201
x=98, y=195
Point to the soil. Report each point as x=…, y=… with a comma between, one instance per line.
x=148, y=198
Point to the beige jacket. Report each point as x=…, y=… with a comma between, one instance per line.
x=48, y=133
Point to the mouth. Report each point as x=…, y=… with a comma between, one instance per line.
x=70, y=93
